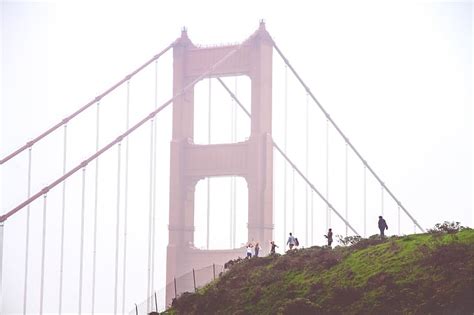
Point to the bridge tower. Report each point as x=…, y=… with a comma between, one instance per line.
x=251, y=159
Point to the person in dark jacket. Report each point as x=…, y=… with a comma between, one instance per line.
x=256, y=249
x=272, y=250
x=329, y=237
x=382, y=226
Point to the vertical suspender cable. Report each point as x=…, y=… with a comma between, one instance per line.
x=342, y=134
x=273, y=193
x=125, y=204
x=398, y=220
x=117, y=223
x=347, y=188
x=381, y=200
x=234, y=198
x=365, y=201
x=154, y=185
x=231, y=216
x=293, y=202
x=43, y=250
x=63, y=216
x=96, y=197
x=328, y=210
x=81, y=250
x=312, y=218
x=306, y=169
x=285, y=143
x=150, y=215
x=27, y=245
x=209, y=117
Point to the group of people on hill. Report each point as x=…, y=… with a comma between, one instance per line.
x=253, y=248
x=382, y=227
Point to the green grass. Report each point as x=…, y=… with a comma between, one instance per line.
x=414, y=274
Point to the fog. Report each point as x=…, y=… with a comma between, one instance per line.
x=396, y=77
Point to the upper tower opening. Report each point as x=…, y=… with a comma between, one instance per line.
x=218, y=117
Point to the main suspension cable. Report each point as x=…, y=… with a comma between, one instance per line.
x=23, y=204
x=83, y=108
x=294, y=166
x=344, y=137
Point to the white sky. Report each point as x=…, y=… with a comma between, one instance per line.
x=396, y=77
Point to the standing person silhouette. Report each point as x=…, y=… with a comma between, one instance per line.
x=382, y=226
x=329, y=237
x=272, y=250
x=291, y=241
x=256, y=249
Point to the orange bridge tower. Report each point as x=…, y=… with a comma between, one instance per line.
x=251, y=159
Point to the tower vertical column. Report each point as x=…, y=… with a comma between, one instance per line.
x=183, y=120
x=260, y=176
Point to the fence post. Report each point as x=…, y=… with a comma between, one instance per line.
x=156, y=303
x=1, y=263
x=175, y=291
x=136, y=309
x=214, y=270
x=194, y=280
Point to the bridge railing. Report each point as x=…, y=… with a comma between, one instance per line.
x=188, y=282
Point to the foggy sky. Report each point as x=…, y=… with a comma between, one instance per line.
x=396, y=77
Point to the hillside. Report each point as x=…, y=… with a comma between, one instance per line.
x=415, y=274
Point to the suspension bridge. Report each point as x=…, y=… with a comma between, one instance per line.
x=87, y=233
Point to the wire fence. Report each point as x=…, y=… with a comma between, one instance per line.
x=188, y=282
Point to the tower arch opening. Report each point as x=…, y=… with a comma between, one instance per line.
x=218, y=118
x=228, y=213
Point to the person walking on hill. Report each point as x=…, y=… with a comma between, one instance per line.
x=249, y=251
x=273, y=246
x=329, y=237
x=291, y=241
x=256, y=249
x=382, y=226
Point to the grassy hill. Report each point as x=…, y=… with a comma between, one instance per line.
x=415, y=274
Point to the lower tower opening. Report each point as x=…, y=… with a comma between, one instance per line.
x=225, y=201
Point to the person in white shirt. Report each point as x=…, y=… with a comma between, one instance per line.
x=249, y=251
x=291, y=241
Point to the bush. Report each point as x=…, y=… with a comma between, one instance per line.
x=446, y=227
x=348, y=240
